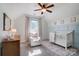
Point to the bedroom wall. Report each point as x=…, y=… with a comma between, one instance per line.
x=60, y=20
x=1, y=20
x=45, y=34
x=19, y=24
x=1, y=23
x=62, y=11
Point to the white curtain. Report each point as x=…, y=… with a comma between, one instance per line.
x=26, y=29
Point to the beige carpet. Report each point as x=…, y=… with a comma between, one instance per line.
x=60, y=51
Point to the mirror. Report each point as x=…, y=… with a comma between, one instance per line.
x=6, y=22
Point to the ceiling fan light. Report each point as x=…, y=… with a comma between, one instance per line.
x=43, y=10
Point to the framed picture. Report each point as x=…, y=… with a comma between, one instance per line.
x=6, y=22
x=73, y=19
x=62, y=21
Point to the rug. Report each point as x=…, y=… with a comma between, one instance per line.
x=60, y=51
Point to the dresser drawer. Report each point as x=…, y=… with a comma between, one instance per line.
x=11, y=48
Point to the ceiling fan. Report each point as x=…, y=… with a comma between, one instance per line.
x=44, y=7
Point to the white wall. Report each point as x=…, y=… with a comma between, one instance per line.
x=1, y=20
x=1, y=24
x=62, y=11
x=45, y=33
x=19, y=24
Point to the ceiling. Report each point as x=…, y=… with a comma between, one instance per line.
x=15, y=10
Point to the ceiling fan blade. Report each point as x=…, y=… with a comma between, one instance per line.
x=37, y=9
x=40, y=5
x=50, y=6
x=49, y=11
x=41, y=12
x=44, y=6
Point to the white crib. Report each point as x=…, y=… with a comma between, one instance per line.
x=64, y=39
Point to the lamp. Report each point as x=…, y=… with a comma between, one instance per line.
x=43, y=10
x=13, y=32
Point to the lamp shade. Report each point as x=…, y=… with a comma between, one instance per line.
x=13, y=30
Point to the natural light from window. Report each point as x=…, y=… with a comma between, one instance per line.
x=35, y=52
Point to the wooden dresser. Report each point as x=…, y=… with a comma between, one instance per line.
x=11, y=48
